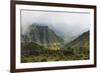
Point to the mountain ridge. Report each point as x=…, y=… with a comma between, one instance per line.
x=42, y=35
x=81, y=43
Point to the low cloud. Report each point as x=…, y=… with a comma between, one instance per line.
x=68, y=24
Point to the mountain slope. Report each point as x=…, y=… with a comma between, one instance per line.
x=81, y=41
x=80, y=44
x=42, y=35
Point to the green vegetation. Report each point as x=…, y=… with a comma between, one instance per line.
x=42, y=35
x=52, y=55
x=52, y=48
x=32, y=52
x=80, y=46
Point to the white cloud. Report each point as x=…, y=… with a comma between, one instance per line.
x=69, y=24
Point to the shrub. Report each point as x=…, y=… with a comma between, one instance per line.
x=43, y=60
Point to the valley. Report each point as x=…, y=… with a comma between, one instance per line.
x=42, y=44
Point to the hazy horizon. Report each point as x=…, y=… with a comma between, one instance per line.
x=66, y=24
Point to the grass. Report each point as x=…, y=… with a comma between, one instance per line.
x=52, y=55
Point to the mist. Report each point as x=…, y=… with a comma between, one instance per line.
x=68, y=25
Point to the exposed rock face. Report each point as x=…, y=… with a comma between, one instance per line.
x=42, y=35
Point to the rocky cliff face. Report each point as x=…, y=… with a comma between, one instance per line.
x=42, y=35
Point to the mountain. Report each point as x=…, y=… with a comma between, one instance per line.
x=81, y=43
x=41, y=44
x=42, y=35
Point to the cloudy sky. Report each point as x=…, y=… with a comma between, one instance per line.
x=68, y=24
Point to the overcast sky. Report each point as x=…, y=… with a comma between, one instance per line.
x=69, y=24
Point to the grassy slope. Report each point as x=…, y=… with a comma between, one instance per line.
x=80, y=46
x=81, y=41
